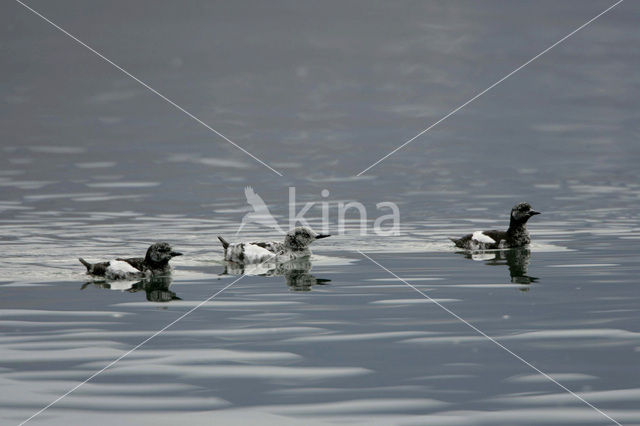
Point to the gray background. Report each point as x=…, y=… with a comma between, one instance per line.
x=95, y=165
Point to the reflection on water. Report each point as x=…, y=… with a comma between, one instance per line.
x=156, y=288
x=295, y=272
x=516, y=259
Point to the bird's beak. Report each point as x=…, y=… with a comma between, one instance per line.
x=175, y=253
x=322, y=236
x=533, y=212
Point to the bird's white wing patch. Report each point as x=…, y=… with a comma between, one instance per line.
x=482, y=238
x=119, y=269
x=122, y=266
x=256, y=254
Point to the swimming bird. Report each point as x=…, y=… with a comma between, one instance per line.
x=156, y=262
x=260, y=213
x=516, y=236
x=295, y=245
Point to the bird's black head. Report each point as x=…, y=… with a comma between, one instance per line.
x=521, y=212
x=299, y=238
x=160, y=253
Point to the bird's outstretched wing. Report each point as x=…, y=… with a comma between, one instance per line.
x=260, y=214
x=255, y=200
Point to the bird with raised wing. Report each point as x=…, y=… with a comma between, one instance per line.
x=260, y=214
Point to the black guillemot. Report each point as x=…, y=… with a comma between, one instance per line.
x=156, y=262
x=295, y=245
x=516, y=236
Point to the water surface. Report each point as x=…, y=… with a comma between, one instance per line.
x=94, y=165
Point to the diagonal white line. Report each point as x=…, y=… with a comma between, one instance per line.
x=131, y=350
x=145, y=85
x=452, y=112
x=482, y=333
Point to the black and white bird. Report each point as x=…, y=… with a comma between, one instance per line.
x=516, y=236
x=155, y=263
x=295, y=245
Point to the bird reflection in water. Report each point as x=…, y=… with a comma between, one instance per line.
x=295, y=272
x=155, y=288
x=517, y=259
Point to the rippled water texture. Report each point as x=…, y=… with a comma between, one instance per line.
x=92, y=164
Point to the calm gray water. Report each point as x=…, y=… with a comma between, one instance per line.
x=92, y=164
